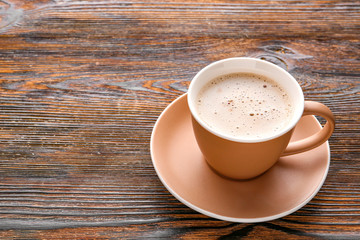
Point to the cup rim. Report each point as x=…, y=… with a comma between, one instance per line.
x=297, y=111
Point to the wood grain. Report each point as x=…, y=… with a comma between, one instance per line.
x=83, y=82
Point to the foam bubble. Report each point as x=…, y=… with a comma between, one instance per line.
x=244, y=105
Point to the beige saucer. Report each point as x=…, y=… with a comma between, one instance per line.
x=290, y=184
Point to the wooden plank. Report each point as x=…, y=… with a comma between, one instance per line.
x=83, y=82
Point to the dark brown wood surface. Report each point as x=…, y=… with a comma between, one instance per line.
x=83, y=82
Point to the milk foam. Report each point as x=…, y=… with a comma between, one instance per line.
x=244, y=105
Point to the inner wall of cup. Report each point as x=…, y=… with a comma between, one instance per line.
x=248, y=65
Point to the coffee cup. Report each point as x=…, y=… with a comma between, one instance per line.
x=244, y=111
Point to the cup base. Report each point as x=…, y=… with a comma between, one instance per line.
x=231, y=178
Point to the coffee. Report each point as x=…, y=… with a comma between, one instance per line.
x=244, y=105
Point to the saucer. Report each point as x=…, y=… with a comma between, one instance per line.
x=290, y=184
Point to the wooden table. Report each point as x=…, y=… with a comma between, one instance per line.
x=83, y=82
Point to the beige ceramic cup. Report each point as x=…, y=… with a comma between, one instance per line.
x=247, y=158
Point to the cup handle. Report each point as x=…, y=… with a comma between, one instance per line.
x=319, y=109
